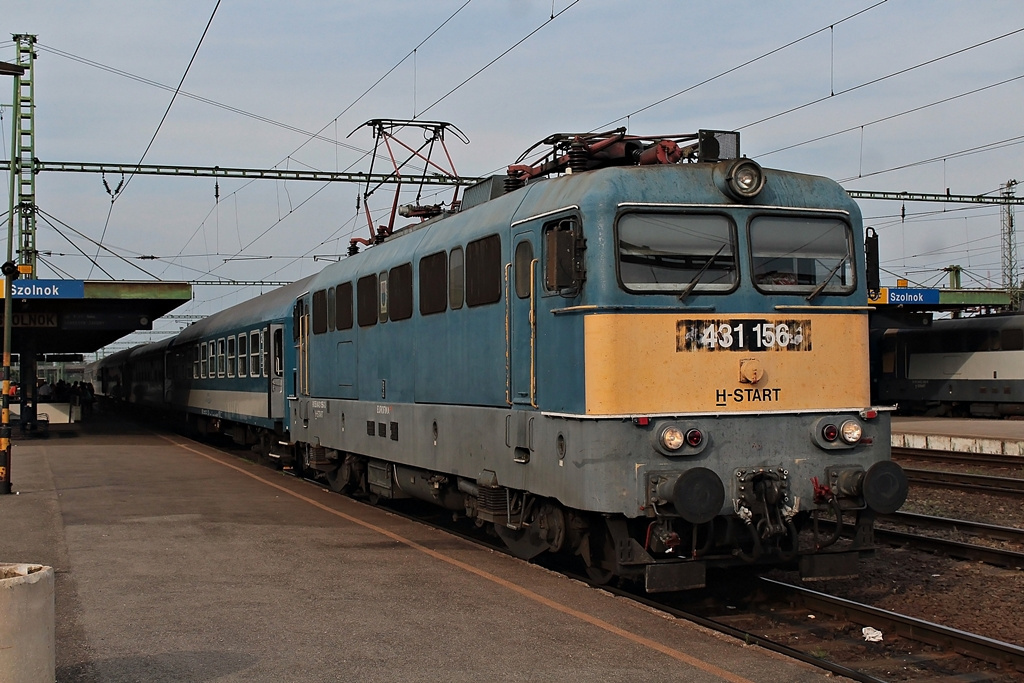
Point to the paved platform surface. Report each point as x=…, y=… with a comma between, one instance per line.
x=175, y=562
x=1005, y=437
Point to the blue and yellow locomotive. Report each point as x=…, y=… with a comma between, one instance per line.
x=649, y=353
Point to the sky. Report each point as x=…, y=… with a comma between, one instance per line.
x=891, y=95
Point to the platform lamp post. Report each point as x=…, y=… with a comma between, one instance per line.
x=10, y=272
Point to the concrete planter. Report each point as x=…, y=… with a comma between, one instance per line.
x=26, y=623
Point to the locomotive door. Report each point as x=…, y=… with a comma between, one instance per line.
x=521, y=290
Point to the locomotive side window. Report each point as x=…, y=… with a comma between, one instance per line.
x=677, y=252
x=456, y=278
x=400, y=292
x=483, y=271
x=524, y=258
x=243, y=355
x=563, y=261
x=231, y=356
x=254, y=353
x=331, y=310
x=221, y=364
x=366, y=299
x=319, y=311
x=1011, y=339
x=202, y=360
x=434, y=283
x=343, y=301
x=792, y=253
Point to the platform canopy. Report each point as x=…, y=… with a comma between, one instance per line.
x=76, y=316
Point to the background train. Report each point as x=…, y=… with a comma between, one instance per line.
x=961, y=367
x=646, y=353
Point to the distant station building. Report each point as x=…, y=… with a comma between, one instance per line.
x=58, y=321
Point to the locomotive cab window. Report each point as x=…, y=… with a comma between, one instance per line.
x=677, y=252
x=795, y=254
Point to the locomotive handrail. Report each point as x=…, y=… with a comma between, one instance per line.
x=782, y=307
x=593, y=308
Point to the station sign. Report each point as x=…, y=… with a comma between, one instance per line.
x=46, y=289
x=905, y=295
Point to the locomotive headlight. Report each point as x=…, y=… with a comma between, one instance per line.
x=741, y=179
x=672, y=438
x=851, y=431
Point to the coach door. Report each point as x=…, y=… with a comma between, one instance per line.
x=274, y=357
x=521, y=286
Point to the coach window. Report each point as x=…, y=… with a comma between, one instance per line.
x=212, y=356
x=196, y=362
x=523, y=269
x=676, y=252
x=797, y=254
x=202, y=360
x=483, y=271
x=456, y=278
x=331, y=310
x=343, y=301
x=243, y=355
x=434, y=283
x=221, y=357
x=231, y=356
x=366, y=296
x=320, y=311
x=400, y=292
x=264, y=352
x=254, y=353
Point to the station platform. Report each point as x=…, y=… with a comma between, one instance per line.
x=177, y=562
x=996, y=437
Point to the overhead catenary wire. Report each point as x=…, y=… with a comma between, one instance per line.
x=163, y=118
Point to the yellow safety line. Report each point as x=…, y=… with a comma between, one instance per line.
x=525, y=592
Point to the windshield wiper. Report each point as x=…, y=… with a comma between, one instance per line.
x=832, y=274
x=700, y=273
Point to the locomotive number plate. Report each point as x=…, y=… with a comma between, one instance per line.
x=743, y=335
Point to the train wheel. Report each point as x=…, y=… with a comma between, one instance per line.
x=546, y=532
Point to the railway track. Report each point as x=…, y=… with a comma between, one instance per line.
x=984, y=483
x=958, y=457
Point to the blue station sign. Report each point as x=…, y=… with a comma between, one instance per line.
x=46, y=289
x=904, y=295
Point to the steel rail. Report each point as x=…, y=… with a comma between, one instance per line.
x=989, y=531
x=972, y=482
x=996, y=557
x=958, y=457
x=962, y=642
